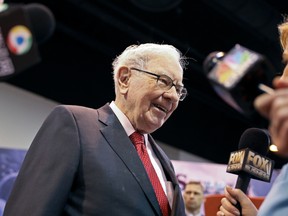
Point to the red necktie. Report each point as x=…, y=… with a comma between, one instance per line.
x=138, y=141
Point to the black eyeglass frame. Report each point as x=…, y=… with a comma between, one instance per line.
x=181, y=92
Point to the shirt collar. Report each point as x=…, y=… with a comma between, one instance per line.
x=124, y=120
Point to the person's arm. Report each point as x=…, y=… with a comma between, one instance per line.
x=48, y=170
x=228, y=203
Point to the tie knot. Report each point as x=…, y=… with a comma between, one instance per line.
x=137, y=138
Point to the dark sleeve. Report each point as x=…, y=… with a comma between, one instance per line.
x=48, y=170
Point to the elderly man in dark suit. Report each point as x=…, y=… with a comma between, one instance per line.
x=82, y=161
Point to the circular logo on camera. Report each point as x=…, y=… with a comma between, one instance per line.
x=19, y=40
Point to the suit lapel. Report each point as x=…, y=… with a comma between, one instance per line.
x=164, y=160
x=178, y=208
x=117, y=138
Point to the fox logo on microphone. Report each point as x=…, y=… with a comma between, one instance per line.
x=252, y=163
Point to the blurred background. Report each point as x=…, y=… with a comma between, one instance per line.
x=75, y=65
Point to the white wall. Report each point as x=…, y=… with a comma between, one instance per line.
x=22, y=113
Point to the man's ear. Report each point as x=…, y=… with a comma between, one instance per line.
x=123, y=79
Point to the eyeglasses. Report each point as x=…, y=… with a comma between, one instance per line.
x=166, y=83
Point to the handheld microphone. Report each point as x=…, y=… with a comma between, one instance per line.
x=250, y=160
x=239, y=76
x=22, y=28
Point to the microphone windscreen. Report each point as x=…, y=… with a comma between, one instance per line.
x=255, y=139
x=42, y=21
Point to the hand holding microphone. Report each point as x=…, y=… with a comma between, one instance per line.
x=250, y=160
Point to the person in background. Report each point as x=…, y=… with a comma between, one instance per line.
x=85, y=161
x=275, y=108
x=193, y=195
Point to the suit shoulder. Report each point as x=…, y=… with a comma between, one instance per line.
x=73, y=108
x=78, y=112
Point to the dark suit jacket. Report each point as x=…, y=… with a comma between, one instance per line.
x=81, y=162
